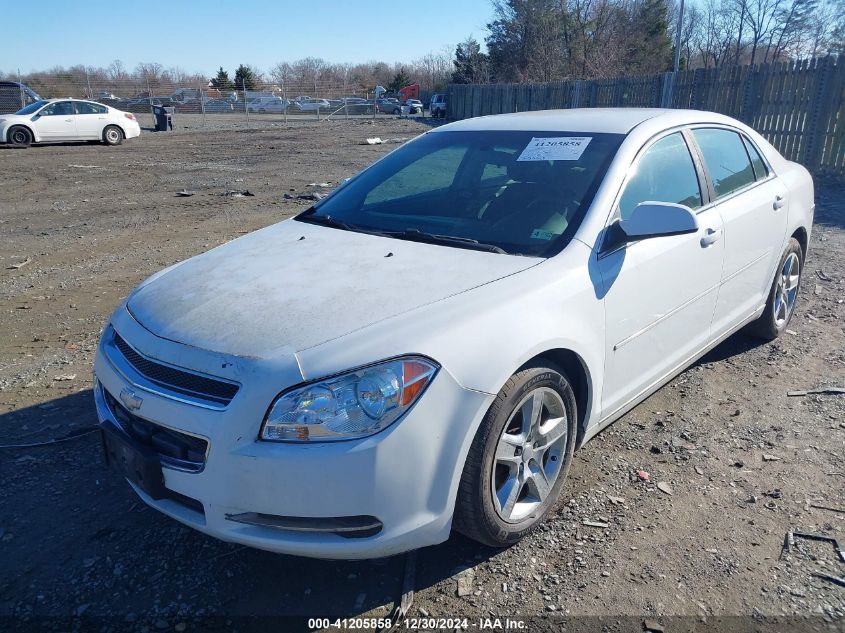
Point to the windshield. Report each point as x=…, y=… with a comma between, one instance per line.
x=32, y=107
x=522, y=193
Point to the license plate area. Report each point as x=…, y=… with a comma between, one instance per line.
x=140, y=466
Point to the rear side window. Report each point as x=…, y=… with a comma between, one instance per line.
x=726, y=159
x=665, y=173
x=83, y=107
x=757, y=162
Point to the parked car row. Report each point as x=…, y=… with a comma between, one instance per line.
x=14, y=96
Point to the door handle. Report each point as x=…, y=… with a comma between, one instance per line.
x=68, y=120
x=778, y=203
x=711, y=236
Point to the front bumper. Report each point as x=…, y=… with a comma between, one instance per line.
x=405, y=478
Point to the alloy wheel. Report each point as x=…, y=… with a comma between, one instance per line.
x=529, y=454
x=787, y=289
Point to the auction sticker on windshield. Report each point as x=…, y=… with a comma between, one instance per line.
x=555, y=148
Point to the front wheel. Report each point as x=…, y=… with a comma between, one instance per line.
x=112, y=135
x=780, y=306
x=518, y=459
x=20, y=136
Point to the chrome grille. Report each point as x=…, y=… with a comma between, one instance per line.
x=182, y=382
x=177, y=450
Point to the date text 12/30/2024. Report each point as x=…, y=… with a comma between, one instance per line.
x=415, y=624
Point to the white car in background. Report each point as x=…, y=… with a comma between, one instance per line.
x=53, y=120
x=424, y=349
x=311, y=105
x=264, y=105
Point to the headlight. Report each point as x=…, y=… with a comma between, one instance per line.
x=349, y=406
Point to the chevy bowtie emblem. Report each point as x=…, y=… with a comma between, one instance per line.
x=128, y=398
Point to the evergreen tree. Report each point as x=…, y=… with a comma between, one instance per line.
x=244, y=78
x=222, y=81
x=650, y=49
x=400, y=80
x=471, y=65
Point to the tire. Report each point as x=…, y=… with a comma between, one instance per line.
x=19, y=136
x=397, y=111
x=501, y=495
x=783, y=295
x=112, y=135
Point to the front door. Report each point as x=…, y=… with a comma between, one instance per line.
x=659, y=293
x=56, y=122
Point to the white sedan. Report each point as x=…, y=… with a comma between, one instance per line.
x=263, y=105
x=424, y=349
x=53, y=120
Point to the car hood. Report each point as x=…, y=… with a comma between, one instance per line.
x=294, y=285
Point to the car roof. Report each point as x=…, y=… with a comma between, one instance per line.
x=608, y=120
x=51, y=100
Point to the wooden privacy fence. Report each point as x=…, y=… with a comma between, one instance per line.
x=799, y=106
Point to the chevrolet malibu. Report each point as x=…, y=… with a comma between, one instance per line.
x=425, y=349
x=53, y=120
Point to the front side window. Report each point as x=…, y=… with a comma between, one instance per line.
x=60, y=108
x=726, y=159
x=84, y=107
x=520, y=192
x=664, y=173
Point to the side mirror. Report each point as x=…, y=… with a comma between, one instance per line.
x=658, y=219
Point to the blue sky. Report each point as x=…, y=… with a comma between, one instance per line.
x=199, y=35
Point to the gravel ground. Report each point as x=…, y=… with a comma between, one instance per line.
x=744, y=462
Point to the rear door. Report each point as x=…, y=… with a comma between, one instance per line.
x=91, y=118
x=56, y=122
x=752, y=204
x=659, y=293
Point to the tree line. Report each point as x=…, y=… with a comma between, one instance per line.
x=310, y=75
x=527, y=41
x=549, y=40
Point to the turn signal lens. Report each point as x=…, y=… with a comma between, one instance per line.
x=416, y=375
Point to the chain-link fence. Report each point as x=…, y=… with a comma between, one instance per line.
x=245, y=101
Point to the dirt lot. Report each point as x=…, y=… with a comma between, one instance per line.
x=745, y=462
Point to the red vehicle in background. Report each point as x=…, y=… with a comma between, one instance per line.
x=409, y=92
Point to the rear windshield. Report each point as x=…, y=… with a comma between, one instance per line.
x=524, y=193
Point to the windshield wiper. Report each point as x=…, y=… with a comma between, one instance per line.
x=416, y=235
x=326, y=220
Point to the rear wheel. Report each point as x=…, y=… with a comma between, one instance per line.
x=20, y=136
x=112, y=135
x=783, y=294
x=518, y=459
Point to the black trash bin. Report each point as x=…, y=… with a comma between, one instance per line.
x=164, y=118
